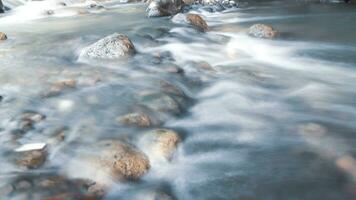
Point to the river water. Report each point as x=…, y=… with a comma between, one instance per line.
x=268, y=119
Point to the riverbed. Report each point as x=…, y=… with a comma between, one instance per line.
x=258, y=118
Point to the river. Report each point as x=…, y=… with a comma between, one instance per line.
x=259, y=119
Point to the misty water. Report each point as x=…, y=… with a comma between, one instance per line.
x=259, y=119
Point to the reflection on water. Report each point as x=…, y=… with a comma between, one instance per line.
x=259, y=119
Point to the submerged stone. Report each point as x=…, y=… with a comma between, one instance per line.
x=197, y=21
x=262, y=31
x=160, y=143
x=111, y=47
x=137, y=119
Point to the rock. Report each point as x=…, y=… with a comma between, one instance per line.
x=3, y=36
x=111, y=47
x=159, y=8
x=58, y=87
x=161, y=102
x=110, y=161
x=31, y=158
x=205, y=66
x=29, y=119
x=197, y=21
x=160, y=143
x=2, y=10
x=137, y=119
x=175, y=70
x=262, y=31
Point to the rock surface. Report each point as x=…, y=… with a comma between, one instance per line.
x=262, y=31
x=197, y=21
x=110, y=161
x=160, y=143
x=3, y=36
x=159, y=8
x=111, y=47
x=137, y=119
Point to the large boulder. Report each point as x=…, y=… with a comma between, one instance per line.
x=159, y=8
x=111, y=47
x=197, y=21
x=262, y=31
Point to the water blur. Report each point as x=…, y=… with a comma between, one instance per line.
x=260, y=119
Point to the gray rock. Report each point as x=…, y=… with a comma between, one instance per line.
x=159, y=8
x=262, y=31
x=111, y=47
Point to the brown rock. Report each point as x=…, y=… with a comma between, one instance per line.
x=32, y=159
x=137, y=119
x=110, y=161
x=3, y=36
x=197, y=21
x=161, y=143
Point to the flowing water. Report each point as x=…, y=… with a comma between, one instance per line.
x=270, y=119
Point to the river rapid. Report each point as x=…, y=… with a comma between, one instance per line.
x=258, y=119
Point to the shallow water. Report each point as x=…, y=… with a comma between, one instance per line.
x=274, y=119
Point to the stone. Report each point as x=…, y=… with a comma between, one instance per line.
x=205, y=66
x=3, y=36
x=137, y=119
x=31, y=159
x=110, y=161
x=28, y=119
x=111, y=47
x=197, y=21
x=159, y=8
x=175, y=70
x=58, y=87
x=160, y=143
x=262, y=31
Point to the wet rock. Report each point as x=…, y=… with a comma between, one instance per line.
x=197, y=21
x=123, y=160
x=175, y=70
x=159, y=8
x=3, y=36
x=262, y=31
x=205, y=66
x=160, y=143
x=111, y=47
x=137, y=119
x=58, y=87
x=161, y=102
x=29, y=119
x=31, y=155
x=110, y=161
